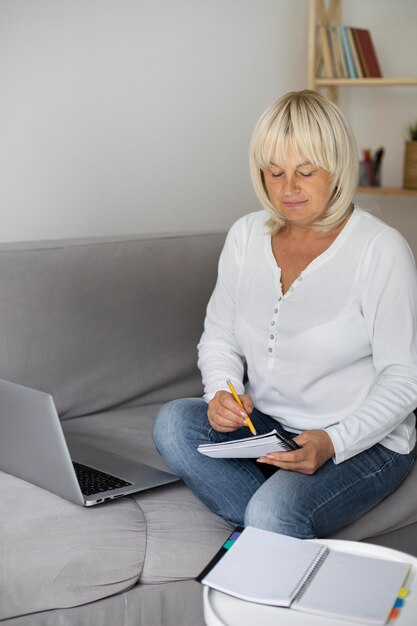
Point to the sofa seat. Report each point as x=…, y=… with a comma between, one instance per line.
x=56, y=554
x=126, y=431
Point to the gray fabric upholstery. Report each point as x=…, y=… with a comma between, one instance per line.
x=110, y=329
x=56, y=554
x=108, y=324
x=102, y=325
x=170, y=604
x=125, y=431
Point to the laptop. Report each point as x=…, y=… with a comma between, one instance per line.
x=33, y=447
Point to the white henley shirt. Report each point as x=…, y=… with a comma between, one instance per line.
x=337, y=352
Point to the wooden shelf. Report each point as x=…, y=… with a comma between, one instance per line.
x=387, y=191
x=329, y=13
x=362, y=82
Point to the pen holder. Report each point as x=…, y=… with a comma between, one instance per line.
x=368, y=175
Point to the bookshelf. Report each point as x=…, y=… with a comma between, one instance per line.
x=322, y=13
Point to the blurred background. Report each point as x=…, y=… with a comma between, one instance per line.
x=121, y=117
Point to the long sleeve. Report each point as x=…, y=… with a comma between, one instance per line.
x=389, y=307
x=219, y=355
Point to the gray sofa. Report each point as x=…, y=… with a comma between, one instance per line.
x=110, y=329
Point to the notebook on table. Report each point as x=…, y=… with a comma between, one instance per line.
x=33, y=447
x=269, y=568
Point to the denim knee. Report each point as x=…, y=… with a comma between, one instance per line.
x=166, y=424
x=176, y=421
x=279, y=513
x=258, y=514
x=179, y=427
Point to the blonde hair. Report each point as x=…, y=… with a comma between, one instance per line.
x=315, y=129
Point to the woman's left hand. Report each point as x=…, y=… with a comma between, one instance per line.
x=316, y=448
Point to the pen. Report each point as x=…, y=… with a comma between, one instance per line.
x=239, y=401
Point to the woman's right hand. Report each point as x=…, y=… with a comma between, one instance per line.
x=224, y=413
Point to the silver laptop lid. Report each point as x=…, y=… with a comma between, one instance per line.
x=33, y=447
x=32, y=444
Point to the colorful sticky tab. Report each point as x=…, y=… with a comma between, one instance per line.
x=235, y=535
x=403, y=593
x=228, y=544
x=399, y=603
x=394, y=613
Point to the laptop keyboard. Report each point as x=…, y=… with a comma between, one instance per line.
x=93, y=481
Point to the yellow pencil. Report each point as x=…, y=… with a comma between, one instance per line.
x=239, y=401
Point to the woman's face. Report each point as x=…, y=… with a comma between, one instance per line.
x=298, y=190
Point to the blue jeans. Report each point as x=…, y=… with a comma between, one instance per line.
x=290, y=503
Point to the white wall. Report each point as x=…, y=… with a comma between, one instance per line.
x=134, y=116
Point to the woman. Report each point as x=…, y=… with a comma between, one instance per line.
x=316, y=300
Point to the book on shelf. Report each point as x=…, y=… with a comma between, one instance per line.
x=342, y=70
x=326, y=54
x=268, y=568
x=347, y=52
x=367, y=53
x=332, y=51
x=355, y=54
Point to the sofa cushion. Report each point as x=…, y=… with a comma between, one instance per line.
x=183, y=535
x=108, y=323
x=56, y=554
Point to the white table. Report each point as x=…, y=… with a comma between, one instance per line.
x=223, y=610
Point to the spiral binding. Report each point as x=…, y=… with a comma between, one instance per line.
x=315, y=566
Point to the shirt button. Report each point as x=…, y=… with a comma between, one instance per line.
x=271, y=336
x=275, y=310
x=269, y=349
x=273, y=323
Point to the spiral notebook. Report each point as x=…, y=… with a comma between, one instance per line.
x=248, y=447
x=269, y=568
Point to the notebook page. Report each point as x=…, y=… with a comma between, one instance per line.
x=353, y=587
x=264, y=567
x=251, y=447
